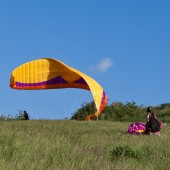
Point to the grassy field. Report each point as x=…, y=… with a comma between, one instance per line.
x=80, y=145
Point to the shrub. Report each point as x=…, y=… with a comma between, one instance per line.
x=125, y=151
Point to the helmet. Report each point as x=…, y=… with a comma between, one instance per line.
x=149, y=109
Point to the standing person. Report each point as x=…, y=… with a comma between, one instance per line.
x=152, y=123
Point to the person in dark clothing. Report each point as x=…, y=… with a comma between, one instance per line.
x=152, y=123
x=26, y=117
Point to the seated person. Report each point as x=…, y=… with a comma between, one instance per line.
x=26, y=117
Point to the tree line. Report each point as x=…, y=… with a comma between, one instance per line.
x=118, y=111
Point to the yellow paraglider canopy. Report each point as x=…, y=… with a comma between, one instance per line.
x=49, y=73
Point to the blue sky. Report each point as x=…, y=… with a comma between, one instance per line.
x=123, y=45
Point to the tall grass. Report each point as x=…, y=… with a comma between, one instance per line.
x=75, y=145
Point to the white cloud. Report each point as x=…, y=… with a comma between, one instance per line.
x=103, y=66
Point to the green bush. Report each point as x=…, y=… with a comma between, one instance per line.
x=19, y=116
x=125, y=151
x=84, y=111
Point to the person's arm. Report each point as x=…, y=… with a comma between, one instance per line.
x=147, y=118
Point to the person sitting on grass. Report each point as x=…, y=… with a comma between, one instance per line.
x=153, y=126
x=26, y=117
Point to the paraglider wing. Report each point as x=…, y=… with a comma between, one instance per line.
x=48, y=73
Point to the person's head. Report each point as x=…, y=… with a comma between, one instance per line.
x=149, y=109
x=25, y=113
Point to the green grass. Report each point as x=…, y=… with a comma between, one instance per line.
x=75, y=145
